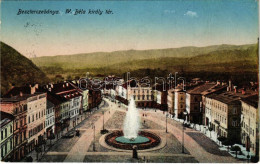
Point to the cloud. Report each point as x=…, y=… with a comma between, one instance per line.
x=191, y=14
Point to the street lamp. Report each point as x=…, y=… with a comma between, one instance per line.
x=93, y=127
x=183, y=128
x=166, y=122
x=103, y=120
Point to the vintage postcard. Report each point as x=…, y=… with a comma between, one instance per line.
x=121, y=81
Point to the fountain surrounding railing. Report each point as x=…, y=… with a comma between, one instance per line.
x=132, y=121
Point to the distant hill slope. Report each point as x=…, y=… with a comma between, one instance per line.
x=104, y=59
x=17, y=69
x=244, y=59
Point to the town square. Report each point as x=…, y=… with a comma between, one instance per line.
x=129, y=81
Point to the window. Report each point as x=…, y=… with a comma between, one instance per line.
x=11, y=129
x=11, y=144
x=5, y=132
x=2, y=152
x=36, y=116
x=32, y=118
x=24, y=135
x=234, y=122
x=2, y=135
x=5, y=148
x=234, y=110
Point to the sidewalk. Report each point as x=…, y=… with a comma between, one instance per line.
x=190, y=144
x=84, y=116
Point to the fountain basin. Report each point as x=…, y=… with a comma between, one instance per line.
x=138, y=140
x=146, y=140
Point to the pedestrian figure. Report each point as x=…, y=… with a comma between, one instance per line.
x=144, y=121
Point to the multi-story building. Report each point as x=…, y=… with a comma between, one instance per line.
x=50, y=119
x=36, y=119
x=179, y=103
x=36, y=110
x=160, y=96
x=17, y=107
x=122, y=91
x=194, y=106
x=223, y=113
x=170, y=101
x=110, y=84
x=57, y=102
x=71, y=101
x=143, y=96
x=6, y=136
x=250, y=123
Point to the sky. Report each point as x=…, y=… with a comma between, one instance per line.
x=133, y=25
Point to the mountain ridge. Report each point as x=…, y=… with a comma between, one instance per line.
x=17, y=70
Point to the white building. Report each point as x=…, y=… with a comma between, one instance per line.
x=50, y=119
x=36, y=118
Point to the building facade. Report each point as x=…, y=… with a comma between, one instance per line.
x=250, y=123
x=6, y=137
x=50, y=119
x=179, y=103
x=36, y=119
x=17, y=107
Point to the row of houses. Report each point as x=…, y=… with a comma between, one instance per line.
x=230, y=112
x=32, y=114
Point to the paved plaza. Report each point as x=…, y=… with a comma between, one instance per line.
x=88, y=148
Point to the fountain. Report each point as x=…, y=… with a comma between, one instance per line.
x=131, y=136
x=132, y=121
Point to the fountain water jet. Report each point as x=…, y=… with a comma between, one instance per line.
x=132, y=121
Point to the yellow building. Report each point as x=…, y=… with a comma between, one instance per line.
x=249, y=122
x=143, y=96
x=222, y=113
x=170, y=101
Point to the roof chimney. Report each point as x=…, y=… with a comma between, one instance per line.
x=243, y=91
x=32, y=90
x=230, y=85
x=21, y=93
x=235, y=89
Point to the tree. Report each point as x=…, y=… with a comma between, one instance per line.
x=51, y=137
x=236, y=149
x=69, y=77
x=210, y=129
x=221, y=139
x=228, y=143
